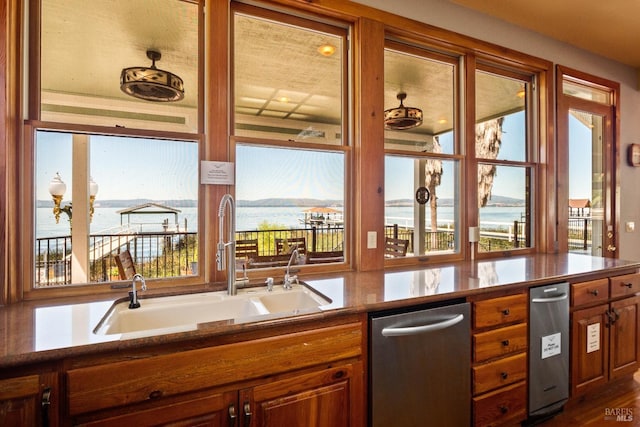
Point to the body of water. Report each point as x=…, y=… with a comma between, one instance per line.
x=106, y=220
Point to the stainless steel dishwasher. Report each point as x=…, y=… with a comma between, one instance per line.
x=548, y=349
x=420, y=367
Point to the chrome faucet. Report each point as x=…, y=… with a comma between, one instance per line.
x=222, y=263
x=288, y=278
x=133, y=294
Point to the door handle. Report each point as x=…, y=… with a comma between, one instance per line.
x=550, y=299
x=414, y=330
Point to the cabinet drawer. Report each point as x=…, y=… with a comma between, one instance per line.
x=499, y=311
x=495, y=408
x=584, y=293
x=499, y=342
x=122, y=383
x=625, y=285
x=499, y=373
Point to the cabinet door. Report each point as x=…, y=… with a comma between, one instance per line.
x=320, y=399
x=589, y=348
x=625, y=348
x=22, y=402
x=214, y=410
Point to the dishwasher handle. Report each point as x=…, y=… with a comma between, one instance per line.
x=414, y=330
x=560, y=297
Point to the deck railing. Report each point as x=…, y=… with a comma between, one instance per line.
x=171, y=254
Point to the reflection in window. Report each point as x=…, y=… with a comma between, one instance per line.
x=428, y=226
x=497, y=137
x=100, y=195
x=288, y=80
x=288, y=199
x=289, y=77
x=504, y=206
x=86, y=45
x=429, y=86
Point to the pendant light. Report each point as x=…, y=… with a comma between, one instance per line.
x=151, y=83
x=401, y=117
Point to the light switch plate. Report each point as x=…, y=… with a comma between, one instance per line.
x=372, y=239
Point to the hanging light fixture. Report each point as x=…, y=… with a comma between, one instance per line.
x=401, y=118
x=151, y=83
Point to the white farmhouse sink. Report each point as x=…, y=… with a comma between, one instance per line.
x=159, y=315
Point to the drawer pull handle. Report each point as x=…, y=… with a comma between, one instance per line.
x=504, y=375
x=594, y=292
x=506, y=312
x=628, y=285
x=504, y=409
x=505, y=343
x=155, y=394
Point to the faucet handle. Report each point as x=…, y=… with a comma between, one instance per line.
x=269, y=283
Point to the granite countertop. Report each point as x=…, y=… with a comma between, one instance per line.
x=40, y=331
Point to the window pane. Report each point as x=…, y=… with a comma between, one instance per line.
x=588, y=92
x=86, y=45
x=504, y=207
x=286, y=199
x=146, y=201
x=429, y=87
x=276, y=100
x=429, y=227
x=501, y=131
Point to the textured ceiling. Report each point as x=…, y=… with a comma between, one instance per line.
x=280, y=76
x=608, y=28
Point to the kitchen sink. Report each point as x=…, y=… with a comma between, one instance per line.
x=176, y=313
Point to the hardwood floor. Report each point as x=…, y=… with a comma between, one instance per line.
x=601, y=408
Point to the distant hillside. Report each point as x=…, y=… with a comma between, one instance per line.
x=494, y=201
x=276, y=203
x=286, y=203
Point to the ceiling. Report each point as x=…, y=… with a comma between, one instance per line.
x=607, y=28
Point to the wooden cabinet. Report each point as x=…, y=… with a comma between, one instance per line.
x=27, y=401
x=499, y=366
x=605, y=328
x=311, y=377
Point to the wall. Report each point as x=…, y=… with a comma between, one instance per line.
x=443, y=14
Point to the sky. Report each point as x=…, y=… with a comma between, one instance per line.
x=129, y=168
x=123, y=168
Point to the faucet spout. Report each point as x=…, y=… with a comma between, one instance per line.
x=133, y=294
x=288, y=278
x=221, y=261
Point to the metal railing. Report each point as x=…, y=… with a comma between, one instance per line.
x=171, y=254
x=580, y=234
x=159, y=254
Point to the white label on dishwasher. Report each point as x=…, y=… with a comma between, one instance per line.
x=551, y=345
x=593, y=337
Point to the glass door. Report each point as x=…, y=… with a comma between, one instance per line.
x=587, y=187
x=586, y=169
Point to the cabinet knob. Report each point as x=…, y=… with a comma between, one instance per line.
x=155, y=394
x=504, y=409
x=628, y=285
x=506, y=312
x=505, y=343
x=504, y=375
x=594, y=292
